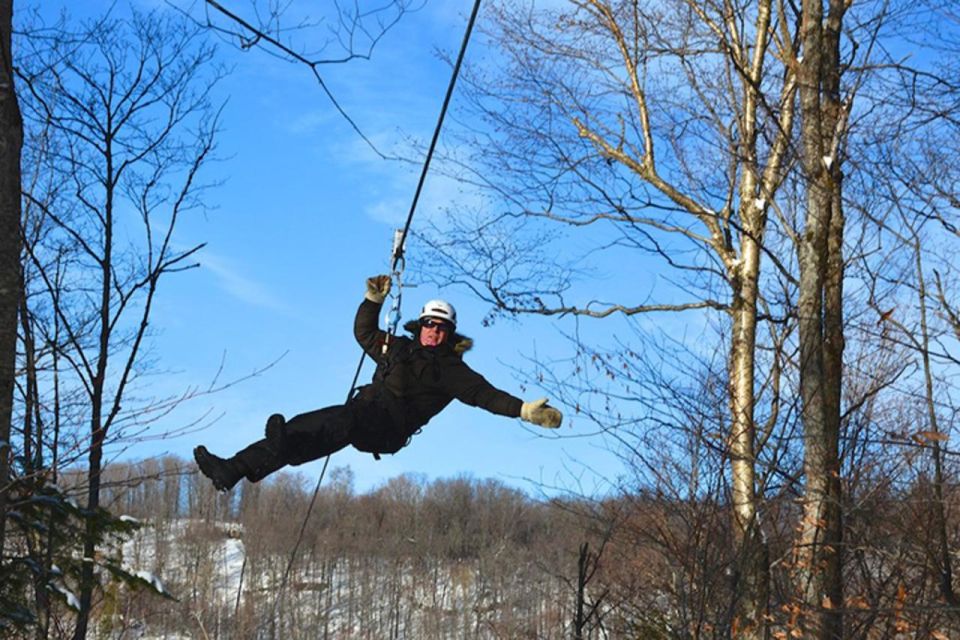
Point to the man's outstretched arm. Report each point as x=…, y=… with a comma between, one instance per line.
x=469, y=387
x=366, y=324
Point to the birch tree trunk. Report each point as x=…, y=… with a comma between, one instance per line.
x=752, y=578
x=633, y=142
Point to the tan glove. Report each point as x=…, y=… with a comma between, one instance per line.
x=540, y=413
x=377, y=288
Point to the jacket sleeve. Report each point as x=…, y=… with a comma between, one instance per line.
x=366, y=329
x=469, y=387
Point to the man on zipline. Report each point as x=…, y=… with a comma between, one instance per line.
x=415, y=379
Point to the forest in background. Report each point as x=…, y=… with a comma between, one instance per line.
x=460, y=557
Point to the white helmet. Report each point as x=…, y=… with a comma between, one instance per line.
x=439, y=309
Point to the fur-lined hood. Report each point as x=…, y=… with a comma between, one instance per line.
x=459, y=343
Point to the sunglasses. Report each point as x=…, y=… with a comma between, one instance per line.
x=433, y=323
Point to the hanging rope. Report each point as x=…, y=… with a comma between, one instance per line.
x=396, y=269
x=399, y=245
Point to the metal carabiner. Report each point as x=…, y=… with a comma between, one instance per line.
x=398, y=261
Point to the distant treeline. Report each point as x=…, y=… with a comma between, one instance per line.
x=458, y=557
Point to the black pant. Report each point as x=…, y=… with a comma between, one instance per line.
x=367, y=425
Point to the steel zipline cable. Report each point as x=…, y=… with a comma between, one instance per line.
x=396, y=268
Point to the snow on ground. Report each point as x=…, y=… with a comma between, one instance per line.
x=159, y=555
x=192, y=559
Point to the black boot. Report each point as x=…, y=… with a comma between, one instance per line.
x=224, y=473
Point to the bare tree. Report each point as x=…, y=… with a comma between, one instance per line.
x=666, y=136
x=708, y=142
x=11, y=140
x=131, y=126
x=868, y=113
x=820, y=315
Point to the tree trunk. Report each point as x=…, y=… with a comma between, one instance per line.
x=751, y=577
x=11, y=141
x=820, y=310
x=98, y=427
x=87, y=575
x=944, y=563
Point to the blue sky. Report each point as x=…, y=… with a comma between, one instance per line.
x=305, y=213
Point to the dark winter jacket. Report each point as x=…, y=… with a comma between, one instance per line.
x=420, y=381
